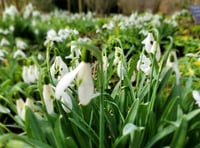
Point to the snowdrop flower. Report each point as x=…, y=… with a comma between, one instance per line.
x=118, y=55
x=40, y=57
x=58, y=69
x=4, y=31
x=36, y=13
x=20, y=44
x=74, y=32
x=4, y=42
x=21, y=107
x=2, y=55
x=75, y=51
x=155, y=49
x=174, y=65
x=64, y=33
x=48, y=95
x=133, y=77
x=30, y=73
x=105, y=60
x=51, y=37
x=109, y=26
x=196, y=96
x=148, y=42
x=10, y=12
x=144, y=32
x=28, y=10
x=85, y=83
x=143, y=64
x=121, y=70
x=19, y=53
x=67, y=102
x=156, y=20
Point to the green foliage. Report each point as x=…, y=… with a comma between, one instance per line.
x=129, y=108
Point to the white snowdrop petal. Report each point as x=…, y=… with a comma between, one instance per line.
x=148, y=42
x=48, y=96
x=86, y=86
x=20, y=108
x=196, y=95
x=25, y=74
x=58, y=69
x=129, y=128
x=66, y=80
x=67, y=102
x=19, y=53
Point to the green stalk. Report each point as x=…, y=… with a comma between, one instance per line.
x=95, y=51
x=48, y=57
x=101, y=123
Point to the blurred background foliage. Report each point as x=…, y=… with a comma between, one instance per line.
x=103, y=6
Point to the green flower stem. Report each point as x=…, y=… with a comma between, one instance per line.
x=48, y=57
x=97, y=53
x=86, y=55
x=101, y=123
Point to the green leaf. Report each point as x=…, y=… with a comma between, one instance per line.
x=192, y=114
x=160, y=135
x=132, y=112
x=60, y=138
x=170, y=110
x=4, y=110
x=85, y=129
x=32, y=126
x=70, y=143
x=180, y=135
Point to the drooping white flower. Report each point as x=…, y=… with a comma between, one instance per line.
x=52, y=37
x=172, y=62
x=75, y=51
x=4, y=42
x=196, y=96
x=109, y=26
x=48, y=95
x=19, y=53
x=155, y=49
x=21, y=107
x=2, y=55
x=10, y=12
x=40, y=57
x=105, y=60
x=64, y=33
x=133, y=77
x=67, y=102
x=28, y=10
x=148, y=42
x=85, y=83
x=20, y=44
x=30, y=73
x=143, y=64
x=119, y=55
x=58, y=69
x=121, y=70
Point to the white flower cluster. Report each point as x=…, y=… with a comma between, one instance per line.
x=30, y=73
x=63, y=78
x=63, y=34
x=151, y=47
x=10, y=12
